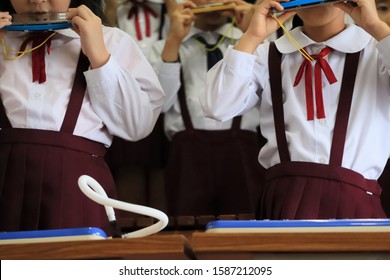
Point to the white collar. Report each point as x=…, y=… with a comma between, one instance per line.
x=352, y=39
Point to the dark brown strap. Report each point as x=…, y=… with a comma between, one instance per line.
x=343, y=109
x=274, y=62
x=236, y=124
x=76, y=96
x=4, y=121
x=163, y=11
x=185, y=114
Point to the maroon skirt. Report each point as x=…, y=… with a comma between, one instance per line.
x=301, y=190
x=384, y=182
x=213, y=173
x=39, y=171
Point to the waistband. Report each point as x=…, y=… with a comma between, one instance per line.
x=323, y=171
x=52, y=138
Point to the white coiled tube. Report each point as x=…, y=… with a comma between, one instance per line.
x=92, y=189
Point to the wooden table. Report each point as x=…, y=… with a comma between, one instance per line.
x=318, y=245
x=201, y=245
x=153, y=247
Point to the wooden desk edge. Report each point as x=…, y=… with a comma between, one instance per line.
x=291, y=242
x=152, y=247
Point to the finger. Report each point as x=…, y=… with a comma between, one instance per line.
x=274, y=5
x=71, y=13
x=84, y=11
x=77, y=20
x=286, y=15
x=345, y=7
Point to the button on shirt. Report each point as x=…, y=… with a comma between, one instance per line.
x=366, y=148
x=193, y=60
x=119, y=101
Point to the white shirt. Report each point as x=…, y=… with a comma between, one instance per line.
x=367, y=146
x=128, y=25
x=193, y=59
x=123, y=98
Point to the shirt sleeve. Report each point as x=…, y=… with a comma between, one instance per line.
x=231, y=89
x=167, y=73
x=125, y=92
x=384, y=54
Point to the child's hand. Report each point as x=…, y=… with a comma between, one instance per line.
x=5, y=20
x=365, y=14
x=262, y=24
x=242, y=13
x=89, y=27
x=181, y=19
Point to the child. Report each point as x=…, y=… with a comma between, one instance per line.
x=144, y=20
x=319, y=163
x=56, y=122
x=138, y=167
x=211, y=169
x=383, y=8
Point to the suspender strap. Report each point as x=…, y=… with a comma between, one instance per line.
x=274, y=62
x=236, y=124
x=185, y=114
x=163, y=11
x=76, y=96
x=4, y=121
x=344, y=107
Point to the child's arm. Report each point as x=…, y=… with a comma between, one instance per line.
x=89, y=27
x=123, y=89
x=181, y=19
x=262, y=25
x=366, y=16
x=165, y=59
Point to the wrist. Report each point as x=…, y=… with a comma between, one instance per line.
x=248, y=43
x=98, y=61
x=170, y=61
x=173, y=42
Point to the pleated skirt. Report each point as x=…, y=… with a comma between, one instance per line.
x=300, y=190
x=39, y=171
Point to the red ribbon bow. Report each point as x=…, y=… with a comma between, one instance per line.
x=148, y=11
x=321, y=64
x=38, y=55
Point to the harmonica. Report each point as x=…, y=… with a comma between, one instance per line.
x=214, y=7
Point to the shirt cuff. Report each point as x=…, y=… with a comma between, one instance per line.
x=241, y=61
x=170, y=69
x=102, y=76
